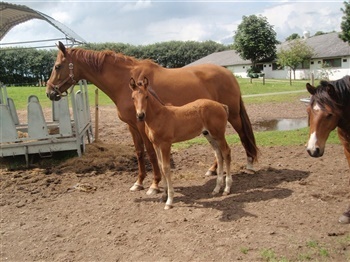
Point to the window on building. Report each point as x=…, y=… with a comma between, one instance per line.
x=276, y=66
x=336, y=62
x=304, y=65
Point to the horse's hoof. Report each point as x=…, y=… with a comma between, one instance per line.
x=225, y=193
x=136, y=187
x=214, y=193
x=250, y=171
x=167, y=207
x=152, y=191
x=344, y=219
x=210, y=173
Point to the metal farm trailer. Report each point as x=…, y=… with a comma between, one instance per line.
x=63, y=133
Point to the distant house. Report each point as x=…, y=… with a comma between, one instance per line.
x=331, y=60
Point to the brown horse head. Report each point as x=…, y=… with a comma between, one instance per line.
x=324, y=115
x=139, y=97
x=62, y=75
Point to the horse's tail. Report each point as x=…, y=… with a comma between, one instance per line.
x=249, y=141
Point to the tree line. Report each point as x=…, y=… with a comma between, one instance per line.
x=26, y=66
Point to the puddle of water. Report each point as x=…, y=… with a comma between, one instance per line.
x=281, y=124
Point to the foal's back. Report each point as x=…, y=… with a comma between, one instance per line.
x=190, y=120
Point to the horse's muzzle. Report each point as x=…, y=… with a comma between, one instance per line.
x=53, y=96
x=316, y=152
x=141, y=116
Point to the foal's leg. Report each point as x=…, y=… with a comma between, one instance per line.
x=165, y=156
x=226, y=153
x=160, y=164
x=219, y=160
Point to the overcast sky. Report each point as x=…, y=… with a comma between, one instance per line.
x=149, y=21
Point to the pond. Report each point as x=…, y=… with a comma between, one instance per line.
x=281, y=124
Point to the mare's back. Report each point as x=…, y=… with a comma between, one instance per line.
x=182, y=85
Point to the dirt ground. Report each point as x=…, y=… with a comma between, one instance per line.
x=81, y=209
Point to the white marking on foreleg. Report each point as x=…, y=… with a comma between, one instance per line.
x=250, y=165
x=136, y=187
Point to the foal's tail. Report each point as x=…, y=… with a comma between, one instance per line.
x=249, y=141
x=226, y=109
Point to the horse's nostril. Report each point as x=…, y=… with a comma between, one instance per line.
x=315, y=152
x=141, y=116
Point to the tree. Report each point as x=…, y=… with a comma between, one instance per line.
x=345, y=24
x=171, y=54
x=319, y=33
x=295, y=54
x=293, y=36
x=21, y=66
x=255, y=40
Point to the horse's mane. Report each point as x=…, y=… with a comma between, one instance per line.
x=342, y=94
x=154, y=94
x=96, y=59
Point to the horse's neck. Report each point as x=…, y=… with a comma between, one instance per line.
x=343, y=87
x=111, y=78
x=156, y=111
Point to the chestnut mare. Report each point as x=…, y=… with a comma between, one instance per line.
x=330, y=108
x=166, y=125
x=111, y=73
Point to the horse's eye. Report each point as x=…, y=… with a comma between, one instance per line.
x=146, y=97
x=57, y=67
x=329, y=115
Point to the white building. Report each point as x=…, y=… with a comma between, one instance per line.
x=329, y=50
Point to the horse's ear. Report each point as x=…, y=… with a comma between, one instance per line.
x=145, y=82
x=132, y=84
x=311, y=89
x=331, y=91
x=61, y=47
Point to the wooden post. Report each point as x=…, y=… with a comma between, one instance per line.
x=96, y=114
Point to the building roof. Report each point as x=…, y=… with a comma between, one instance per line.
x=324, y=46
x=224, y=58
x=12, y=15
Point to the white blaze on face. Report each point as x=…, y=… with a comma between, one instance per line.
x=316, y=107
x=311, y=144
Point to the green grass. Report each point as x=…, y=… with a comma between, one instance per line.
x=266, y=138
x=20, y=96
x=271, y=86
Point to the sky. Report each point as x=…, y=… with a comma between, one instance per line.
x=145, y=22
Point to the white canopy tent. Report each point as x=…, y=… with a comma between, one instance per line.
x=12, y=15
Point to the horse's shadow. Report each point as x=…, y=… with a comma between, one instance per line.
x=247, y=188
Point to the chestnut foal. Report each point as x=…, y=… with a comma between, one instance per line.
x=165, y=125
